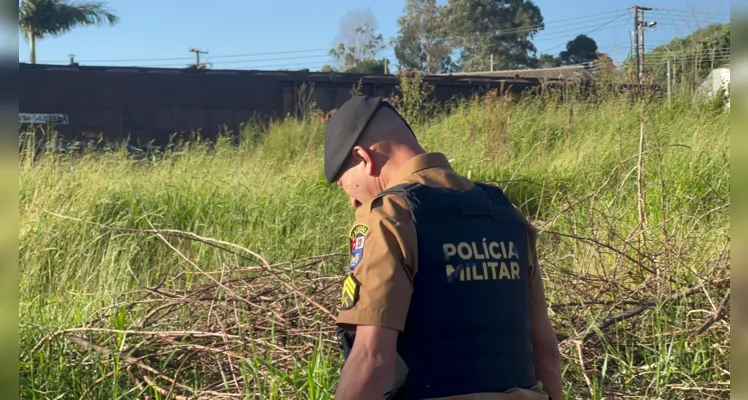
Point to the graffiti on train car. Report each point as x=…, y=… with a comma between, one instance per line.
x=43, y=119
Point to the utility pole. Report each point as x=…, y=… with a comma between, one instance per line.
x=72, y=59
x=669, y=79
x=197, y=56
x=639, y=26
x=635, y=32
x=641, y=45
x=492, y=62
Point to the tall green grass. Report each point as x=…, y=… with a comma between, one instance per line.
x=571, y=166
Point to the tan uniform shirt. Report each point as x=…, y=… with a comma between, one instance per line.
x=387, y=260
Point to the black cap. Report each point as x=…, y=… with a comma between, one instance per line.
x=344, y=129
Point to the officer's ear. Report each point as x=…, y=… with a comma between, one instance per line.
x=362, y=154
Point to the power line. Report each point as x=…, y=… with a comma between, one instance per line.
x=571, y=32
x=268, y=66
x=686, y=17
x=705, y=55
x=219, y=56
x=690, y=49
x=592, y=15
x=531, y=29
x=505, y=32
x=648, y=46
x=589, y=32
x=268, y=59
x=678, y=21
x=527, y=29
x=305, y=66
x=626, y=46
x=672, y=24
x=690, y=12
x=554, y=34
x=280, y=66
x=703, y=59
x=388, y=55
x=251, y=60
x=564, y=33
x=557, y=34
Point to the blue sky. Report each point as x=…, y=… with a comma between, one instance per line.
x=240, y=34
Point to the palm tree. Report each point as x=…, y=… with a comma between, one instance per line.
x=41, y=18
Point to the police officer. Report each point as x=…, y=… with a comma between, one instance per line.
x=443, y=297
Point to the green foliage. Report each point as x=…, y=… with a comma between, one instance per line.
x=719, y=101
x=55, y=17
x=38, y=19
x=368, y=67
x=422, y=41
x=502, y=28
x=415, y=104
x=548, y=61
x=581, y=49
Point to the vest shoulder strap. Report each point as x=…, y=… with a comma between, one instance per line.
x=402, y=189
x=501, y=203
x=497, y=195
x=501, y=207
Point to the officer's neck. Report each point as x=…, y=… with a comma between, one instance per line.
x=396, y=161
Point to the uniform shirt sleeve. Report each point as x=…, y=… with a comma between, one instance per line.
x=384, y=272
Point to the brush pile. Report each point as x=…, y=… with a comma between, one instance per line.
x=241, y=329
x=242, y=332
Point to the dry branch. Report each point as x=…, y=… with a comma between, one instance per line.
x=607, y=246
x=717, y=316
x=606, y=322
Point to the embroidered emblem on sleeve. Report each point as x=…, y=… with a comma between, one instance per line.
x=357, y=236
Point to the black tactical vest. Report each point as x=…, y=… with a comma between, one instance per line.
x=468, y=325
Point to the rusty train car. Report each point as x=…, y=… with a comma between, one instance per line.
x=152, y=105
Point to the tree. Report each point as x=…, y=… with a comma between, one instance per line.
x=548, y=61
x=368, y=67
x=502, y=28
x=581, y=49
x=603, y=62
x=422, y=41
x=38, y=19
x=357, y=39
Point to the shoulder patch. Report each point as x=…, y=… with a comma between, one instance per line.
x=357, y=236
x=359, y=229
x=351, y=287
